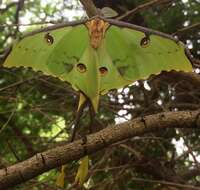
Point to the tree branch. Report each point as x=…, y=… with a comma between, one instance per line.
x=190, y=173
x=58, y=156
x=185, y=29
x=172, y=76
x=90, y=8
x=143, y=7
x=17, y=15
x=168, y=183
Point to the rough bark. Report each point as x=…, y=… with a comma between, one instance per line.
x=58, y=156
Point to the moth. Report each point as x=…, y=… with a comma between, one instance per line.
x=97, y=55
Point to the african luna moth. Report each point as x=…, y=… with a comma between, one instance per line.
x=98, y=55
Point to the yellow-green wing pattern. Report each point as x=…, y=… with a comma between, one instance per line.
x=122, y=56
x=131, y=55
x=64, y=53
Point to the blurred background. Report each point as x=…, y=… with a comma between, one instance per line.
x=37, y=111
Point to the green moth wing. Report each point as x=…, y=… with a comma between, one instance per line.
x=131, y=55
x=64, y=53
x=99, y=54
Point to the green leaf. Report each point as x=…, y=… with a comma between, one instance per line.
x=108, y=12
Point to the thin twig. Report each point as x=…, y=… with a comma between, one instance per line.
x=185, y=29
x=13, y=150
x=5, y=124
x=143, y=7
x=191, y=187
x=77, y=119
x=30, y=24
x=17, y=83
